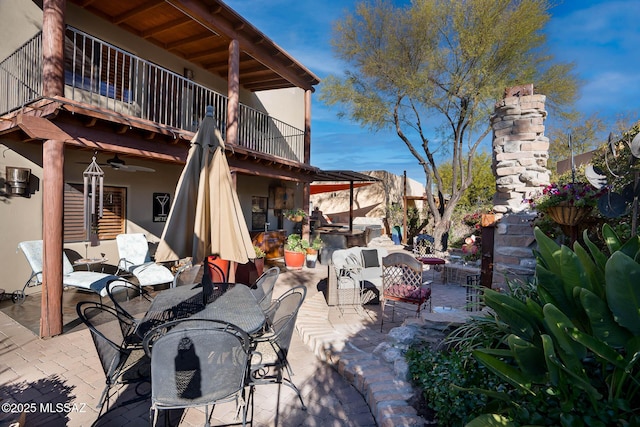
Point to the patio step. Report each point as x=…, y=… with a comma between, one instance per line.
x=386, y=395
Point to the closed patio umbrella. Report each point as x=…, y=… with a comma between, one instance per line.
x=205, y=216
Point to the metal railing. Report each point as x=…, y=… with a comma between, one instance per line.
x=21, y=75
x=103, y=75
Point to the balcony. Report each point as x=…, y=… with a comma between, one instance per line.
x=102, y=75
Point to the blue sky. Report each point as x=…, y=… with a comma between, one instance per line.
x=601, y=37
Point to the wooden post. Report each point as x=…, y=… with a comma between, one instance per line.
x=52, y=201
x=404, y=208
x=306, y=192
x=53, y=47
x=233, y=91
x=52, y=172
x=307, y=127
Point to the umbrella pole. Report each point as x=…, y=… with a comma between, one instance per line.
x=232, y=272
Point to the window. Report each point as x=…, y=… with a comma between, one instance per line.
x=258, y=213
x=108, y=227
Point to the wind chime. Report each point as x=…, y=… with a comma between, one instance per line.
x=93, y=180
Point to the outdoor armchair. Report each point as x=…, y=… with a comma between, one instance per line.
x=133, y=251
x=402, y=282
x=90, y=281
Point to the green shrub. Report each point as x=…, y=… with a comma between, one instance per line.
x=443, y=377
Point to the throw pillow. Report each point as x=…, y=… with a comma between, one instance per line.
x=370, y=258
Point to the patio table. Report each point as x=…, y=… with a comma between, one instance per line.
x=237, y=306
x=171, y=304
x=226, y=302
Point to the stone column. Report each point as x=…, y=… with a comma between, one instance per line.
x=520, y=153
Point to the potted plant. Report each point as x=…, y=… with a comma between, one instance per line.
x=294, y=251
x=312, y=252
x=295, y=215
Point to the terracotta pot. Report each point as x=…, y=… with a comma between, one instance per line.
x=311, y=251
x=259, y=263
x=294, y=260
x=568, y=215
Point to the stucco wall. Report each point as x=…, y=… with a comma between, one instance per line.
x=21, y=218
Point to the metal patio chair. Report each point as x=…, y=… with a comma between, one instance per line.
x=197, y=362
x=121, y=364
x=264, y=287
x=402, y=282
x=136, y=300
x=269, y=362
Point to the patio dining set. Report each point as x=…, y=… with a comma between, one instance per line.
x=197, y=344
x=200, y=342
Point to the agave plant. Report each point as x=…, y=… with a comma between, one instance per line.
x=577, y=345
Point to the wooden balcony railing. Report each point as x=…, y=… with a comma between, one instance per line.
x=103, y=75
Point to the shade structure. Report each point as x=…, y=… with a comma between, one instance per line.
x=205, y=216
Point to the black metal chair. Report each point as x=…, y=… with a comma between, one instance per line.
x=197, y=362
x=121, y=364
x=264, y=287
x=129, y=299
x=188, y=275
x=269, y=362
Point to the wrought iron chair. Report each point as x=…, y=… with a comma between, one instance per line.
x=136, y=300
x=197, y=362
x=264, y=287
x=188, y=275
x=402, y=282
x=121, y=364
x=423, y=245
x=84, y=280
x=269, y=362
x=133, y=250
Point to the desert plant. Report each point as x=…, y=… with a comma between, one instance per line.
x=571, y=354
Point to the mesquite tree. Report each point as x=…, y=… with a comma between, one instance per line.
x=433, y=71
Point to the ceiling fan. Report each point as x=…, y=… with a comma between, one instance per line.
x=118, y=164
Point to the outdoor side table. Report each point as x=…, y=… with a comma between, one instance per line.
x=90, y=262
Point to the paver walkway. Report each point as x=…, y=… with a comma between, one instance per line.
x=342, y=382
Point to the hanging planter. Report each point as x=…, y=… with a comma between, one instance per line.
x=295, y=215
x=568, y=215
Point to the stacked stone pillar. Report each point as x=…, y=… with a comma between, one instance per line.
x=520, y=153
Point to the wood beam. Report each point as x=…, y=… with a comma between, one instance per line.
x=165, y=27
x=138, y=10
x=217, y=23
